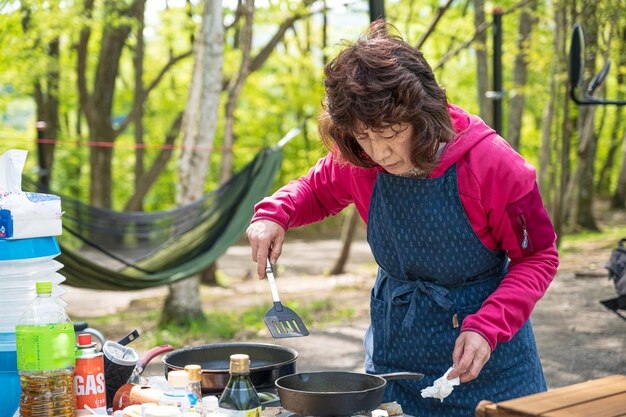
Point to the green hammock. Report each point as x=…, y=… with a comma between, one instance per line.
x=198, y=233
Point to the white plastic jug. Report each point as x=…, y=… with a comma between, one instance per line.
x=23, y=262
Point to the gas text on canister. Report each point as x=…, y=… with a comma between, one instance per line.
x=89, y=378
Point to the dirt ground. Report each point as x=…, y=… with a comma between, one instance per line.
x=578, y=338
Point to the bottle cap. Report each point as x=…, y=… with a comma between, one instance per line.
x=84, y=339
x=194, y=372
x=44, y=287
x=239, y=363
x=210, y=403
x=178, y=379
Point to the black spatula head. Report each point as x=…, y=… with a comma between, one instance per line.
x=284, y=322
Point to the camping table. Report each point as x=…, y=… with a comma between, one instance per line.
x=604, y=397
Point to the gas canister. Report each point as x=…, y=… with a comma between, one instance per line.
x=89, y=383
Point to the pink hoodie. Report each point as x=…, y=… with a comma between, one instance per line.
x=501, y=199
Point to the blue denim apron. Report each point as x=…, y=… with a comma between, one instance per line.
x=434, y=271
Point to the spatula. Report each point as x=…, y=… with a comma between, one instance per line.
x=280, y=320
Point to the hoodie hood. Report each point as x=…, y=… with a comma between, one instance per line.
x=470, y=130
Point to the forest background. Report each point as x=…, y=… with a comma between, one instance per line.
x=147, y=105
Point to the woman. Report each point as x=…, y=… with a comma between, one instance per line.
x=454, y=219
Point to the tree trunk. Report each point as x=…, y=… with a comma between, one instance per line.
x=589, y=139
x=199, y=128
x=347, y=236
x=139, y=93
x=46, y=102
x=98, y=106
x=482, y=64
x=234, y=90
x=516, y=102
x=619, y=197
x=209, y=275
x=546, y=134
x=584, y=210
x=559, y=212
x=604, y=181
x=324, y=33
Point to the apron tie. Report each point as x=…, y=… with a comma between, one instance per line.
x=436, y=292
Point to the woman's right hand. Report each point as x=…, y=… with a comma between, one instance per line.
x=266, y=238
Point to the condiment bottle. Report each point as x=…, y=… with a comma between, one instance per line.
x=210, y=405
x=194, y=387
x=179, y=396
x=240, y=398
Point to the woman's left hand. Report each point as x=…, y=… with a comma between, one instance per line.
x=471, y=353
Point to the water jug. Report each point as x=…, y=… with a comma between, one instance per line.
x=23, y=262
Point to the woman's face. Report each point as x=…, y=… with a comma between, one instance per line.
x=389, y=147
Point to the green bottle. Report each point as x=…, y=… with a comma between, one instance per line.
x=240, y=398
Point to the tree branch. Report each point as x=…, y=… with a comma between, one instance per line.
x=238, y=13
x=148, y=178
x=452, y=53
x=433, y=24
x=173, y=60
x=262, y=56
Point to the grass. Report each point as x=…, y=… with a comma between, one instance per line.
x=218, y=325
x=606, y=238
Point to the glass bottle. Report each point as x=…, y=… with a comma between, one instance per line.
x=240, y=398
x=194, y=387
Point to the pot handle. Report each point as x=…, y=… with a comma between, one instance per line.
x=402, y=375
x=151, y=354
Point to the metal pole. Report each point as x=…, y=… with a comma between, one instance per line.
x=377, y=9
x=497, y=93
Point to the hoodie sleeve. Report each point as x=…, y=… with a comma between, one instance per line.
x=323, y=192
x=520, y=225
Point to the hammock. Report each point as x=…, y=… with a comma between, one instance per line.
x=136, y=250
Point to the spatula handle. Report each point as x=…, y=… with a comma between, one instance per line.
x=270, y=277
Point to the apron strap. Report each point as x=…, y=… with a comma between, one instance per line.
x=436, y=292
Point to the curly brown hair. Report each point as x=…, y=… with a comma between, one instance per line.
x=378, y=82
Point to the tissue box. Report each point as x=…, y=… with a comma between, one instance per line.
x=26, y=215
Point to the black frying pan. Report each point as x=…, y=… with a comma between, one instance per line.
x=335, y=393
x=267, y=363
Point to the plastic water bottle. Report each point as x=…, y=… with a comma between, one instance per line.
x=179, y=396
x=45, y=357
x=23, y=262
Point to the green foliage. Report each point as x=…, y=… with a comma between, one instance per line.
x=277, y=96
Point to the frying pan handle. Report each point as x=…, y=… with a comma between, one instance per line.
x=402, y=375
x=151, y=354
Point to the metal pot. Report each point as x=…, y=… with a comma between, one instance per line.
x=326, y=394
x=267, y=363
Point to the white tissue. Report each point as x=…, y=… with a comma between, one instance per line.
x=11, y=167
x=32, y=214
x=442, y=387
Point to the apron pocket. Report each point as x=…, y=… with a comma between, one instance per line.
x=378, y=317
